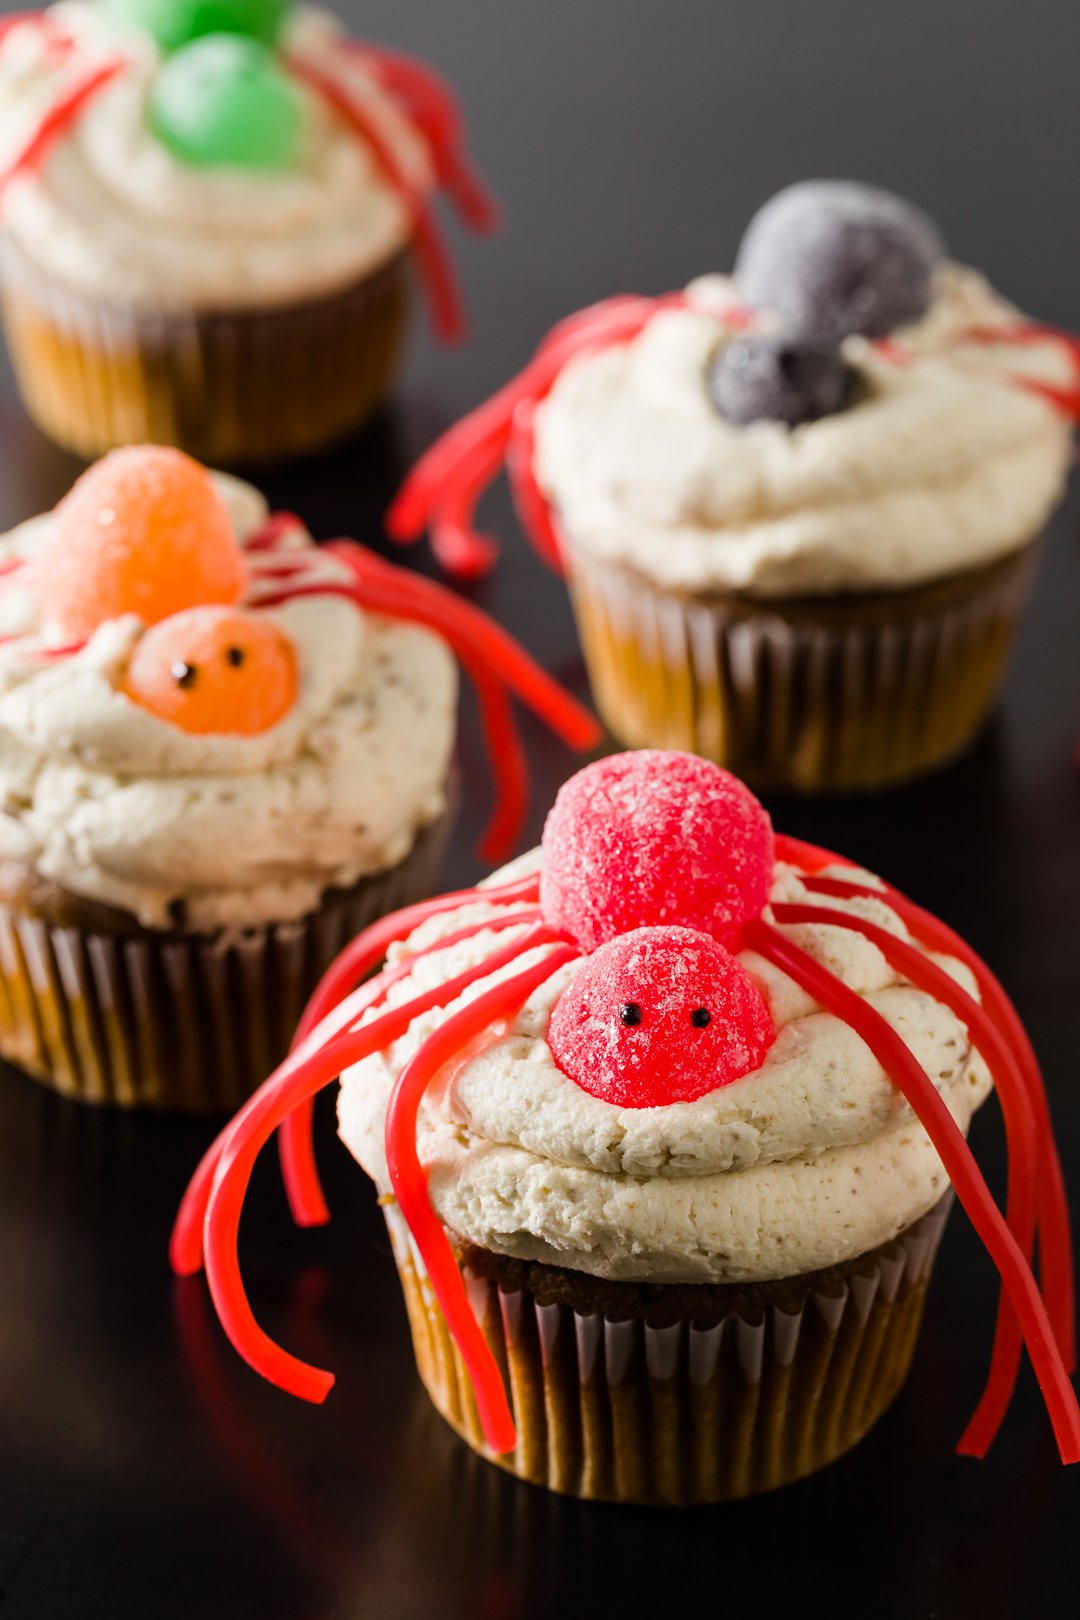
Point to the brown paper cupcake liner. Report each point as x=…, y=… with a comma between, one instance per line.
x=673, y=1396
x=228, y=386
x=836, y=694
x=189, y=1023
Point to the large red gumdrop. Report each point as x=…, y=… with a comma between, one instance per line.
x=215, y=670
x=658, y=1016
x=643, y=839
x=143, y=531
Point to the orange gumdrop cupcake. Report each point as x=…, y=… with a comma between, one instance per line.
x=222, y=750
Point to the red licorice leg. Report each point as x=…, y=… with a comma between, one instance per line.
x=298, y=1077
x=468, y=632
x=481, y=437
x=1020, y=1130
x=433, y=107
x=342, y=976
x=409, y=1179
x=63, y=112
x=1055, y=1232
x=277, y=526
x=959, y=1163
x=296, y=1145
x=530, y=502
x=441, y=287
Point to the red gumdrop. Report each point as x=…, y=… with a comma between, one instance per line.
x=649, y=838
x=658, y=1016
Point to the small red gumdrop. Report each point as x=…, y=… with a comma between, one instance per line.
x=143, y=531
x=214, y=669
x=642, y=839
x=658, y=1016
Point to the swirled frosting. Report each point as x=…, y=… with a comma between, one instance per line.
x=113, y=214
x=207, y=832
x=944, y=462
x=813, y=1159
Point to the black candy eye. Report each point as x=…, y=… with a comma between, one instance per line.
x=770, y=378
x=630, y=1013
x=183, y=673
x=700, y=1017
x=235, y=656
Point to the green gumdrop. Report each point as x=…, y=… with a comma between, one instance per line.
x=224, y=101
x=174, y=23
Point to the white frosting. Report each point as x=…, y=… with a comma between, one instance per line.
x=112, y=214
x=811, y=1160
x=117, y=805
x=942, y=463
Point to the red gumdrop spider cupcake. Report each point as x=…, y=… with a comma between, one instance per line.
x=209, y=220
x=665, y=1121
x=797, y=508
x=225, y=751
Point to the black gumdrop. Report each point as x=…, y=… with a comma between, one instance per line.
x=778, y=379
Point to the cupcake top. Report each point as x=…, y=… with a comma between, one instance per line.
x=671, y=1047
x=200, y=761
x=268, y=161
x=809, y=1157
x=850, y=411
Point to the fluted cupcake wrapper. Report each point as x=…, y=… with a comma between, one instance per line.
x=628, y=1405
x=837, y=694
x=228, y=386
x=179, y=1022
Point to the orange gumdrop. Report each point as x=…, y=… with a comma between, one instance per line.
x=142, y=531
x=214, y=669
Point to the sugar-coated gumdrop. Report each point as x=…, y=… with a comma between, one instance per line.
x=832, y=257
x=214, y=669
x=173, y=23
x=650, y=838
x=661, y=1015
x=224, y=101
x=143, y=531
x=778, y=379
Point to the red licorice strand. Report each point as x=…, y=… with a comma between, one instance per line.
x=1066, y=400
x=1023, y=333
x=435, y=268
x=422, y=601
x=530, y=502
x=68, y=650
x=16, y=19
x=509, y=766
x=960, y=1166
x=433, y=108
x=298, y=1077
x=485, y=431
x=1021, y=1135
x=347, y=971
x=457, y=545
x=296, y=1143
x=1055, y=1230
x=64, y=111
x=277, y=526
x=409, y=1179
x=12, y=565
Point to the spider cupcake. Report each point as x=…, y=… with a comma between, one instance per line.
x=663, y=1121
x=209, y=213
x=796, y=508
x=222, y=751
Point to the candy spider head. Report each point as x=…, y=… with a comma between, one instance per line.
x=215, y=669
x=143, y=531
x=658, y=1016
x=651, y=838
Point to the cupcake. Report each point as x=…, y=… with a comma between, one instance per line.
x=664, y=1122
x=797, y=508
x=222, y=752
x=209, y=214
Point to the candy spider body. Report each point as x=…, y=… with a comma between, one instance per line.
x=644, y=1013
x=419, y=95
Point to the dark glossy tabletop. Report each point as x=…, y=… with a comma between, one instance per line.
x=145, y=1474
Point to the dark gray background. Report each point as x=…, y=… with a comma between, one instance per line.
x=145, y=1474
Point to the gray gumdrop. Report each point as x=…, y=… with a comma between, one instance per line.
x=834, y=257
x=777, y=378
